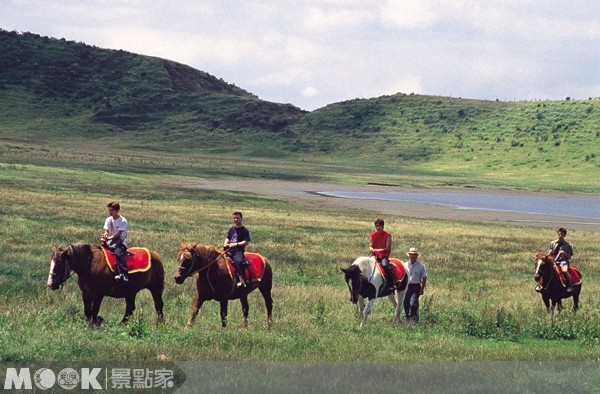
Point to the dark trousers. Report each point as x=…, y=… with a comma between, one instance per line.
x=411, y=302
x=238, y=258
x=387, y=268
x=119, y=249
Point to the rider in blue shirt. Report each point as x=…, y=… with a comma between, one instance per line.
x=235, y=243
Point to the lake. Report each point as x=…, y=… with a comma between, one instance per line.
x=579, y=207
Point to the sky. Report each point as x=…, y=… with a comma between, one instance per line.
x=312, y=53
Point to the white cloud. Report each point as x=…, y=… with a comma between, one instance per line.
x=315, y=52
x=310, y=92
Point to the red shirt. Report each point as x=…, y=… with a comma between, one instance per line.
x=379, y=241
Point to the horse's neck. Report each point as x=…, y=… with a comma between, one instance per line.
x=551, y=271
x=77, y=262
x=206, y=254
x=368, y=266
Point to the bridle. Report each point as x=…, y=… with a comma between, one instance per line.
x=357, y=277
x=189, y=271
x=538, y=273
x=67, y=268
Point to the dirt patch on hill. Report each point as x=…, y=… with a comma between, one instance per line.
x=308, y=193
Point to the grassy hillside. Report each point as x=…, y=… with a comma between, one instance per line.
x=54, y=92
x=103, y=88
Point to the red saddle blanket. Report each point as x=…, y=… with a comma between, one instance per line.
x=254, y=270
x=398, y=269
x=573, y=271
x=138, y=259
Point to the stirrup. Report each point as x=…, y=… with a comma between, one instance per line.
x=538, y=288
x=569, y=289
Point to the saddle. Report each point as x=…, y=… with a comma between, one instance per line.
x=137, y=259
x=254, y=266
x=576, y=276
x=397, y=269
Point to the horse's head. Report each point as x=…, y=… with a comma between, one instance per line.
x=59, y=266
x=542, y=263
x=188, y=262
x=192, y=258
x=352, y=276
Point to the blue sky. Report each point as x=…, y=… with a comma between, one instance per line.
x=313, y=53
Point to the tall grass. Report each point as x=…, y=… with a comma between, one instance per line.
x=479, y=303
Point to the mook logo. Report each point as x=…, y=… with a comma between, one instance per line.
x=45, y=378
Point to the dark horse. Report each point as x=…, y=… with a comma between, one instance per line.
x=96, y=280
x=216, y=282
x=551, y=287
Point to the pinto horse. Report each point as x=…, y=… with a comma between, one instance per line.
x=550, y=282
x=365, y=279
x=216, y=279
x=96, y=278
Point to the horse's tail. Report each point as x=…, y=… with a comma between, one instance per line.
x=264, y=286
x=266, y=280
x=158, y=269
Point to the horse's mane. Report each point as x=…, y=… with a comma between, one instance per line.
x=544, y=256
x=365, y=263
x=207, y=253
x=79, y=255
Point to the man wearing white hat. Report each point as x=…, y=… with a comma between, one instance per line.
x=417, y=279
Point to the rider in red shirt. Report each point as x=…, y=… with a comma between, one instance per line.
x=381, y=248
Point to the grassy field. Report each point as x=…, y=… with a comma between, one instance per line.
x=479, y=303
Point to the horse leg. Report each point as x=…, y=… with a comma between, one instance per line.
x=392, y=299
x=88, y=300
x=129, y=308
x=224, y=304
x=367, y=310
x=265, y=289
x=96, y=320
x=575, y=302
x=158, y=302
x=546, y=302
x=245, y=310
x=360, y=305
x=195, y=309
x=400, y=294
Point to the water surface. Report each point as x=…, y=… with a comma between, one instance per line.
x=557, y=206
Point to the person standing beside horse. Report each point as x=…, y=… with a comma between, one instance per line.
x=562, y=251
x=115, y=235
x=381, y=248
x=235, y=243
x=416, y=285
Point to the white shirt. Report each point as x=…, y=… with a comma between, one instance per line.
x=417, y=272
x=114, y=225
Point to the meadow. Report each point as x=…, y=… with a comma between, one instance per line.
x=479, y=303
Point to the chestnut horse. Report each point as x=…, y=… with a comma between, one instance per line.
x=365, y=280
x=216, y=280
x=96, y=279
x=550, y=285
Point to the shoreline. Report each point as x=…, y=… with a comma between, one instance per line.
x=309, y=193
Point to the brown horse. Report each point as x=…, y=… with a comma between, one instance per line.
x=97, y=280
x=551, y=287
x=216, y=280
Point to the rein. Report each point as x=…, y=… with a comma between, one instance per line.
x=551, y=275
x=67, y=272
x=195, y=258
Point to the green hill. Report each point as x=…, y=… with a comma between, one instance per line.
x=52, y=91
x=128, y=91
